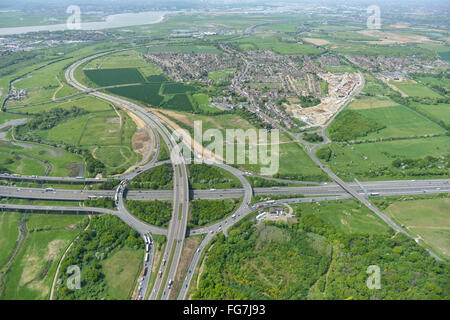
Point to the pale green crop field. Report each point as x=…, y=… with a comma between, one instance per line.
x=440, y=111
x=400, y=121
x=353, y=160
x=9, y=233
x=416, y=90
x=427, y=219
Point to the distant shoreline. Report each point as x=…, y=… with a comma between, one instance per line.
x=111, y=22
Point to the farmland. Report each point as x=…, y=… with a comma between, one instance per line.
x=147, y=93
x=111, y=77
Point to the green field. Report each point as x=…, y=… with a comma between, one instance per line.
x=426, y=219
x=346, y=215
x=125, y=59
x=30, y=276
x=400, y=121
x=147, y=93
x=222, y=74
x=203, y=176
x=62, y=162
x=9, y=233
x=369, y=103
x=121, y=270
x=111, y=77
x=279, y=44
x=439, y=111
x=413, y=89
x=374, y=160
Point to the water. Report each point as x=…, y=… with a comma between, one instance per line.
x=112, y=21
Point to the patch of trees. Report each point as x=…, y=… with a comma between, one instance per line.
x=312, y=137
x=252, y=118
x=350, y=125
x=94, y=166
x=159, y=178
x=106, y=203
x=105, y=235
x=442, y=77
x=308, y=101
x=429, y=162
x=154, y=212
x=324, y=153
x=207, y=211
x=46, y=120
x=210, y=177
x=260, y=182
x=107, y=185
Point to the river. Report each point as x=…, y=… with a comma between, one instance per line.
x=112, y=21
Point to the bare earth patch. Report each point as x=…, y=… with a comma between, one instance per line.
x=190, y=246
x=317, y=42
x=141, y=142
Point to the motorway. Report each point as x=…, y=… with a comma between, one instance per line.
x=384, y=188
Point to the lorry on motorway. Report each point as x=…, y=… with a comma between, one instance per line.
x=160, y=273
x=147, y=248
x=270, y=201
x=144, y=271
x=374, y=194
x=79, y=178
x=170, y=284
x=49, y=189
x=164, y=262
x=92, y=197
x=147, y=256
